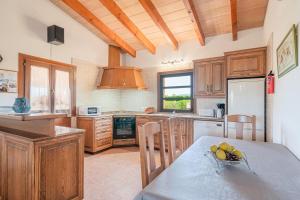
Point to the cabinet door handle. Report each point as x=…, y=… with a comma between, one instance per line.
x=207, y=88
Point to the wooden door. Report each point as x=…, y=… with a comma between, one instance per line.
x=18, y=169
x=59, y=168
x=202, y=79
x=218, y=78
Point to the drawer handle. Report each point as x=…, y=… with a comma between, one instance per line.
x=219, y=124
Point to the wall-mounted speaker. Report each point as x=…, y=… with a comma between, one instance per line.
x=55, y=35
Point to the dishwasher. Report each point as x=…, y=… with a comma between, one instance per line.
x=208, y=128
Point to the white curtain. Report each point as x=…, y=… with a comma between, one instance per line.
x=39, y=89
x=62, y=92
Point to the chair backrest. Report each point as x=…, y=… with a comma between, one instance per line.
x=149, y=170
x=176, y=145
x=239, y=121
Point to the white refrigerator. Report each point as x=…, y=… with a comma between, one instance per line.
x=247, y=97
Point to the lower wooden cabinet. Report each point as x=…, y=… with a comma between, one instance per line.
x=99, y=130
x=64, y=121
x=184, y=124
x=41, y=170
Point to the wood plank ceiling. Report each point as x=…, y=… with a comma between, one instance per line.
x=133, y=25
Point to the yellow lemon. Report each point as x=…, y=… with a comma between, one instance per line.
x=214, y=148
x=221, y=154
x=237, y=153
x=230, y=148
x=224, y=146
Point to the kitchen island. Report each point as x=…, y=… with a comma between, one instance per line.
x=39, y=160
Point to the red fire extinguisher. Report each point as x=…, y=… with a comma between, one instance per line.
x=271, y=83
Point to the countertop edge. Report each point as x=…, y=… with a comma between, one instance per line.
x=178, y=115
x=34, y=137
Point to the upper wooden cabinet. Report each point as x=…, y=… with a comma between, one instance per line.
x=246, y=63
x=209, y=76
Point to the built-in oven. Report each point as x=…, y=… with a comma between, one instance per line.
x=124, y=131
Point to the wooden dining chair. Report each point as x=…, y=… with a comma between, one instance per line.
x=149, y=170
x=239, y=121
x=176, y=144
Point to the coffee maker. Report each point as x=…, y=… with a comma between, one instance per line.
x=220, y=112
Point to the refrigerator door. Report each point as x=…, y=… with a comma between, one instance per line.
x=247, y=97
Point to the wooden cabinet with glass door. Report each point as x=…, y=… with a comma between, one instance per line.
x=209, y=77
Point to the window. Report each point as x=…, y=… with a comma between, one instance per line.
x=49, y=85
x=39, y=89
x=176, y=91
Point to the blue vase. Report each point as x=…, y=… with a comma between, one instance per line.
x=21, y=105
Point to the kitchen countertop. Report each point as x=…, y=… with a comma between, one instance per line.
x=31, y=116
x=160, y=114
x=59, y=132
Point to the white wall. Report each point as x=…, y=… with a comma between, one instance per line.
x=86, y=91
x=24, y=29
x=138, y=100
x=281, y=15
x=189, y=51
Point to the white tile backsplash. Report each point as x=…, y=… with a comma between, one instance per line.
x=208, y=103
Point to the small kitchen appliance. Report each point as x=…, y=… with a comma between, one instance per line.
x=220, y=112
x=89, y=110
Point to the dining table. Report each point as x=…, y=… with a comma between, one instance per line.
x=273, y=174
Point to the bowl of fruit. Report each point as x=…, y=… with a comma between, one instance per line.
x=227, y=154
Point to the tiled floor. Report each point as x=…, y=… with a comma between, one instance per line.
x=112, y=175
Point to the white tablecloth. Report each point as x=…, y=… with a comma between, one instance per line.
x=193, y=176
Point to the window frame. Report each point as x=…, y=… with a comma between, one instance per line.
x=24, y=79
x=160, y=89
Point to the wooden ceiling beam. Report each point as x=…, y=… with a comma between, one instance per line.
x=158, y=20
x=97, y=23
x=125, y=20
x=233, y=13
x=189, y=5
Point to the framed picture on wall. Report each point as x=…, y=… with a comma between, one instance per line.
x=8, y=81
x=287, y=53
